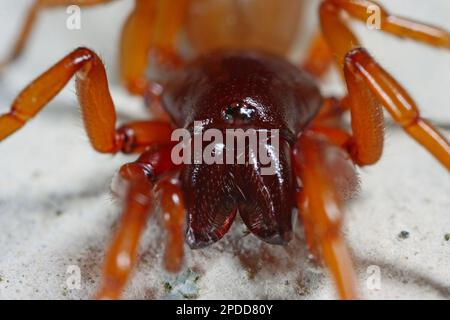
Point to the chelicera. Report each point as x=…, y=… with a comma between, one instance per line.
x=316, y=160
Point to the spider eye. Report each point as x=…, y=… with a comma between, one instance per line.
x=238, y=112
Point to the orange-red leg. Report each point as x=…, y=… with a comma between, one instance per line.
x=317, y=163
x=152, y=99
x=319, y=57
x=139, y=180
x=149, y=39
x=341, y=40
x=137, y=37
x=121, y=257
x=371, y=87
x=96, y=105
x=171, y=18
x=401, y=27
x=30, y=21
x=337, y=136
x=151, y=25
x=331, y=112
x=174, y=215
x=337, y=39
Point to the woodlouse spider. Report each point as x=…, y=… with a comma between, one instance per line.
x=315, y=165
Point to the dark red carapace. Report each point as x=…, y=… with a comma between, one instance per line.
x=234, y=85
x=262, y=91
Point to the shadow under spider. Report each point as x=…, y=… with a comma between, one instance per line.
x=402, y=274
x=264, y=259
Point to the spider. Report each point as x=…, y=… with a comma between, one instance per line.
x=237, y=85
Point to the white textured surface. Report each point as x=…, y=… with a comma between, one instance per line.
x=56, y=210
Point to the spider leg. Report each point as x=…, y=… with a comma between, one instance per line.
x=319, y=57
x=319, y=202
x=337, y=136
x=170, y=20
x=135, y=44
x=331, y=111
x=150, y=25
x=398, y=26
x=174, y=214
x=341, y=40
x=96, y=105
x=369, y=85
x=139, y=178
x=30, y=20
x=121, y=255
